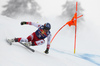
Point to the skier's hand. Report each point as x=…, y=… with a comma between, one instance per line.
x=46, y=51
x=23, y=22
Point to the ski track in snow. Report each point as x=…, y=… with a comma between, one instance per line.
x=88, y=57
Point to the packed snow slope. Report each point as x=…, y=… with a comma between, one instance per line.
x=61, y=51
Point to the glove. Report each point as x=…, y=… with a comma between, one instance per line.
x=22, y=23
x=46, y=51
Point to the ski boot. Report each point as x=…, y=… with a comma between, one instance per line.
x=10, y=41
x=28, y=44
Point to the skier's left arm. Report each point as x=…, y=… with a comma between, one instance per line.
x=48, y=43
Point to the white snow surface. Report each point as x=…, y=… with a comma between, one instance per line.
x=61, y=51
x=62, y=48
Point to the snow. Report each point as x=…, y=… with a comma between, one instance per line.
x=61, y=51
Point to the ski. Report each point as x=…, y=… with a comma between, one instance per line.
x=10, y=43
x=27, y=47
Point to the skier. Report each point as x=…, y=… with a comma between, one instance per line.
x=37, y=37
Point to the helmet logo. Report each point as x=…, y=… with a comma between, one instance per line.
x=47, y=26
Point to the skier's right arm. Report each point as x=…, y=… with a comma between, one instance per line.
x=31, y=23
